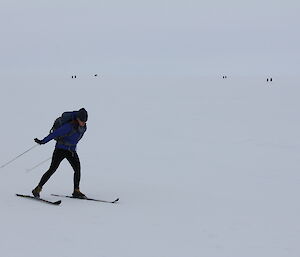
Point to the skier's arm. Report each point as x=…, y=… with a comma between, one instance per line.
x=63, y=130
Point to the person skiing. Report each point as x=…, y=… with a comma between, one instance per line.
x=67, y=137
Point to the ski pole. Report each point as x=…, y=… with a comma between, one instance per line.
x=39, y=164
x=4, y=165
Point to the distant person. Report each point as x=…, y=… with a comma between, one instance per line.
x=67, y=130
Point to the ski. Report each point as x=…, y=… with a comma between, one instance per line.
x=40, y=199
x=89, y=199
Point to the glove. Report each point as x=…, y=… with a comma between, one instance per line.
x=40, y=142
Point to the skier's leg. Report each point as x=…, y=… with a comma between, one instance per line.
x=57, y=157
x=75, y=163
x=73, y=159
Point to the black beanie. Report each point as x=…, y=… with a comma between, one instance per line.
x=82, y=115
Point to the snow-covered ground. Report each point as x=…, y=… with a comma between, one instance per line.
x=203, y=167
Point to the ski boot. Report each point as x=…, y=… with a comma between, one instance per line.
x=78, y=194
x=36, y=192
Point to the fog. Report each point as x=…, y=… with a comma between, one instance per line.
x=154, y=38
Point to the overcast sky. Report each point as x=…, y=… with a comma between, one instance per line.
x=154, y=37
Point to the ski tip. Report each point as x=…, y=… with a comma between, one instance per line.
x=57, y=202
x=116, y=200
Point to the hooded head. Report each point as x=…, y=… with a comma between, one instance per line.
x=82, y=115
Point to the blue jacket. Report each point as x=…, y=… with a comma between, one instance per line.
x=71, y=134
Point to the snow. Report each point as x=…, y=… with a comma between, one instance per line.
x=203, y=167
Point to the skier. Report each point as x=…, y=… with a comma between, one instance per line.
x=67, y=136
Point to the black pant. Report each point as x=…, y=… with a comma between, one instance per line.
x=57, y=157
